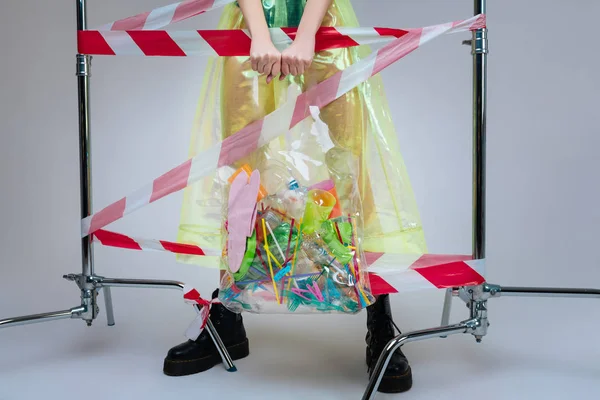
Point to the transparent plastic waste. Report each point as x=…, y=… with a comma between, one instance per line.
x=293, y=223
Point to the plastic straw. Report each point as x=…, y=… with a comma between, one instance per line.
x=294, y=256
x=354, y=263
x=269, y=261
x=261, y=259
x=287, y=251
x=271, y=256
x=287, y=277
x=275, y=240
x=339, y=234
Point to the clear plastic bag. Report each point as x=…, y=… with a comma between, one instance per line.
x=292, y=214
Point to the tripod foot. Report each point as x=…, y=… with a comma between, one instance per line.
x=74, y=312
x=225, y=356
x=110, y=315
x=447, y=308
x=394, y=344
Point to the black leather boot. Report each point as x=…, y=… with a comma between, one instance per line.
x=199, y=355
x=380, y=330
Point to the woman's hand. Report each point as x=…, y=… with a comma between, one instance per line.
x=265, y=58
x=298, y=57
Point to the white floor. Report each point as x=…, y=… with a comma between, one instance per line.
x=529, y=353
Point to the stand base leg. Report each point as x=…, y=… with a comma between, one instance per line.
x=98, y=282
x=74, y=312
x=227, y=360
x=107, y=283
x=108, y=304
x=447, y=308
x=505, y=291
x=476, y=298
x=394, y=344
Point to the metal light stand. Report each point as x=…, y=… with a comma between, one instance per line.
x=88, y=282
x=476, y=296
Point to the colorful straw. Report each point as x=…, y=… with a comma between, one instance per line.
x=269, y=260
x=339, y=234
x=261, y=259
x=287, y=251
x=355, y=265
x=294, y=256
x=275, y=240
x=270, y=256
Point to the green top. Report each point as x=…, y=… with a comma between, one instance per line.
x=283, y=13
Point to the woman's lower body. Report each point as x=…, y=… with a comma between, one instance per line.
x=234, y=96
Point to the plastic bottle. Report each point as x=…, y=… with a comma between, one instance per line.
x=294, y=199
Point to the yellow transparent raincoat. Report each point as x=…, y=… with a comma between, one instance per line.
x=233, y=96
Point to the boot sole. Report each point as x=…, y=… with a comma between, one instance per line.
x=392, y=383
x=197, y=365
x=396, y=384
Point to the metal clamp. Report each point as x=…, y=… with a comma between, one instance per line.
x=479, y=42
x=84, y=64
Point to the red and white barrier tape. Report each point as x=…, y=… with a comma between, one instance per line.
x=262, y=131
x=112, y=239
x=231, y=42
x=166, y=15
x=406, y=272
x=192, y=296
x=389, y=273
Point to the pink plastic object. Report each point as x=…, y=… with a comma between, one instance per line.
x=241, y=216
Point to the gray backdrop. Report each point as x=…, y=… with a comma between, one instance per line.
x=543, y=204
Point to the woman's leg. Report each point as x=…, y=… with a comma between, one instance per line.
x=344, y=117
x=348, y=121
x=380, y=330
x=244, y=98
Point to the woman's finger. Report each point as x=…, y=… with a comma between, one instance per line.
x=294, y=68
x=274, y=61
x=307, y=63
x=285, y=66
x=262, y=64
x=254, y=63
x=269, y=71
x=300, y=67
x=275, y=70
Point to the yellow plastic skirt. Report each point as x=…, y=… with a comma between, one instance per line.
x=233, y=96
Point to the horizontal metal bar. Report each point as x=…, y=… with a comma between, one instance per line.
x=44, y=317
x=517, y=291
x=394, y=344
x=140, y=283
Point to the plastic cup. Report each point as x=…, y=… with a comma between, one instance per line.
x=319, y=204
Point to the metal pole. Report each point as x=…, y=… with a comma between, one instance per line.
x=88, y=293
x=88, y=282
x=479, y=51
